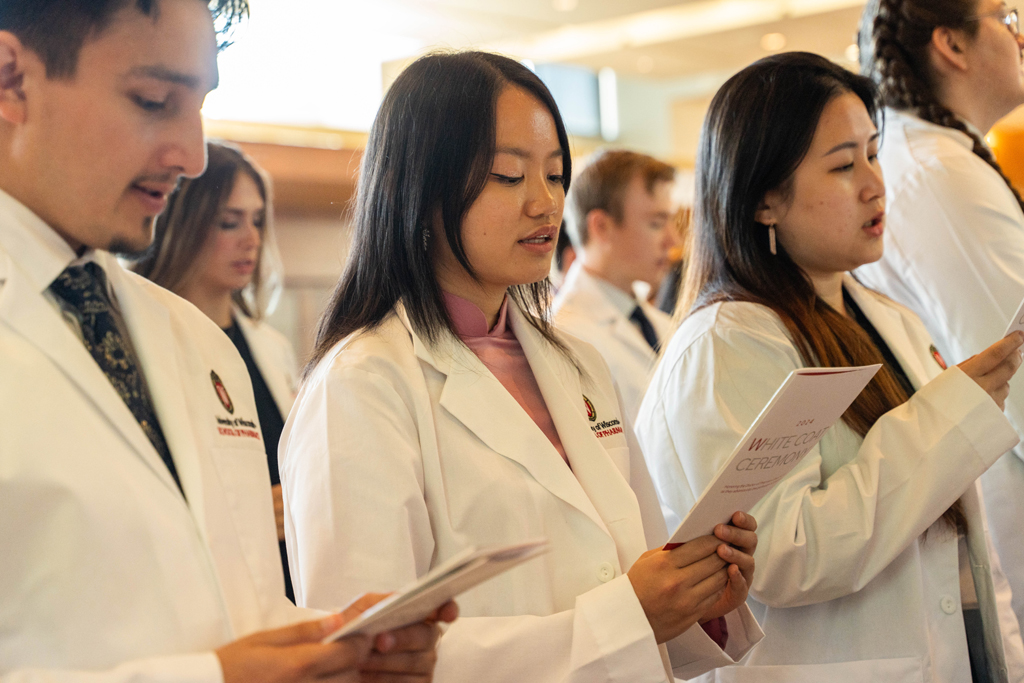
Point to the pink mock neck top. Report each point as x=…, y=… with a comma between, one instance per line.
x=500, y=351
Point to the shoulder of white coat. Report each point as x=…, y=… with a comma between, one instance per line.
x=386, y=350
x=738, y=329
x=924, y=155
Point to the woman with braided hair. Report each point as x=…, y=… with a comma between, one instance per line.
x=954, y=252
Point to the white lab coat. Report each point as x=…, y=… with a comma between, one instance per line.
x=398, y=456
x=848, y=585
x=104, y=568
x=584, y=310
x=275, y=358
x=954, y=254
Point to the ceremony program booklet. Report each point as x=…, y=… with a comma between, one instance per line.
x=1018, y=321
x=417, y=601
x=806, y=405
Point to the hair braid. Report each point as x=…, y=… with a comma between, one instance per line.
x=900, y=33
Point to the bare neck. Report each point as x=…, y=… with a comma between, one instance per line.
x=217, y=306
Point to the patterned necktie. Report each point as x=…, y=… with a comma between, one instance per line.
x=646, y=328
x=84, y=291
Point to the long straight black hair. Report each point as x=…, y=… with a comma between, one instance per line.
x=427, y=159
x=757, y=132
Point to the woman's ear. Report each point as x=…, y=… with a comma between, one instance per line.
x=12, y=76
x=948, y=48
x=767, y=211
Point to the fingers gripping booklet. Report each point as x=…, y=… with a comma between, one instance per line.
x=418, y=600
x=807, y=404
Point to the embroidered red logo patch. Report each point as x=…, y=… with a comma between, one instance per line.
x=938, y=357
x=591, y=411
x=222, y=393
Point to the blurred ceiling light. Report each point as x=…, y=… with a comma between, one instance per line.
x=773, y=42
x=661, y=26
x=644, y=64
x=565, y=5
x=853, y=53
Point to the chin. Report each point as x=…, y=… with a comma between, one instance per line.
x=132, y=241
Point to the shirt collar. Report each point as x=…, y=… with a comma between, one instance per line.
x=624, y=303
x=470, y=321
x=40, y=252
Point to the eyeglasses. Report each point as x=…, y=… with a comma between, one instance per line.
x=1008, y=17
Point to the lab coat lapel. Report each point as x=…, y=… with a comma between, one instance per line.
x=606, y=486
x=33, y=316
x=891, y=325
x=591, y=302
x=150, y=328
x=474, y=396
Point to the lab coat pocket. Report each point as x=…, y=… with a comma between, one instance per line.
x=900, y=670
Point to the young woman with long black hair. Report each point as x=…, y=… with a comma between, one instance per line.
x=441, y=411
x=873, y=562
x=948, y=70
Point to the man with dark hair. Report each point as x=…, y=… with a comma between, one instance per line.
x=619, y=214
x=137, y=535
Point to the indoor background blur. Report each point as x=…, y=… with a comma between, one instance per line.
x=301, y=84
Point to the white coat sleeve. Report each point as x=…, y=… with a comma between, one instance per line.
x=826, y=535
x=356, y=521
x=193, y=668
x=974, y=230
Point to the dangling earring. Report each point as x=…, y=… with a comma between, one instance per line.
x=771, y=239
x=426, y=239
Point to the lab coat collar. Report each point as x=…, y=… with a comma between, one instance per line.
x=895, y=117
x=24, y=307
x=42, y=253
x=154, y=340
x=588, y=297
x=889, y=322
x=474, y=396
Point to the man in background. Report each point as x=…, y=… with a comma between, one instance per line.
x=620, y=218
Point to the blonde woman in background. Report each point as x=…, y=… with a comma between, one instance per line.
x=214, y=247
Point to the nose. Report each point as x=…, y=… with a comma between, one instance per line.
x=874, y=184
x=184, y=149
x=253, y=236
x=545, y=198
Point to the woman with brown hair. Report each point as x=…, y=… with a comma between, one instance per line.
x=865, y=545
x=948, y=70
x=214, y=247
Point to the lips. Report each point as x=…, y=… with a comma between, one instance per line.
x=541, y=236
x=876, y=225
x=153, y=196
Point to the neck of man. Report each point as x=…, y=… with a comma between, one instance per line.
x=601, y=265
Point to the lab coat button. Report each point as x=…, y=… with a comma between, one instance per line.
x=948, y=604
x=606, y=572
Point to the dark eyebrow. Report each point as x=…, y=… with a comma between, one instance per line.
x=162, y=73
x=849, y=145
x=520, y=152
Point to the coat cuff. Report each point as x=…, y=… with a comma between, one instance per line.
x=979, y=419
x=621, y=633
x=694, y=653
